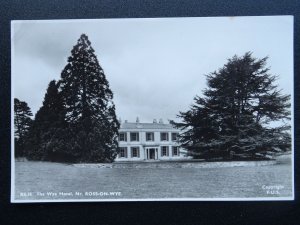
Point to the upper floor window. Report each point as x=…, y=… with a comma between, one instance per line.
x=135, y=152
x=149, y=136
x=122, y=136
x=123, y=152
x=164, y=136
x=165, y=151
x=134, y=136
x=175, y=136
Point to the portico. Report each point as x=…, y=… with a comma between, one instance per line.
x=151, y=153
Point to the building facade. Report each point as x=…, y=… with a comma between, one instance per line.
x=148, y=141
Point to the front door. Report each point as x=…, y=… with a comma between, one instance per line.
x=151, y=153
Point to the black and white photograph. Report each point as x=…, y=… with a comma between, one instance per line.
x=152, y=109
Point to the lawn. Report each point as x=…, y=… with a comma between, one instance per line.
x=44, y=180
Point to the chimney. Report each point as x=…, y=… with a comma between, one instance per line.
x=137, y=120
x=154, y=121
x=125, y=121
x=161, y=121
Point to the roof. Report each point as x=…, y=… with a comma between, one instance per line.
x=164, y=126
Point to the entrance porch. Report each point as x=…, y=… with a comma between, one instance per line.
x=151, y=153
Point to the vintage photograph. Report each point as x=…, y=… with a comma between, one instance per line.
x=152, y=109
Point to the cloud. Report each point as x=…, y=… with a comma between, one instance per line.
x=155, y=67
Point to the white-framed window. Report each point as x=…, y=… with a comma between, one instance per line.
x=175, y=150
x=134, y=136
x=164, y=136
x=175, y=136
x=135, y=152
x=149, y=136
x=123, y=152
x=164, y=150
x=122, y=136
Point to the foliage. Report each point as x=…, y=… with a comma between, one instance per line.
x=90, y=111
x=235, y=117
x=77, y=121
x=48, y=123
x=23, y=121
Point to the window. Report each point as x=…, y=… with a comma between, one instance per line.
x=149, y=136
x=122, y=136
x=135, y=152
x=164, y=136
x=165, y=151
x=123, y=152
x=175, y=150
x=175, y=136
x=134, y=136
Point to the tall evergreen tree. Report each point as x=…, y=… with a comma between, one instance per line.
x=45, y=133
x=22, y=123
x=90, y=111
x=234, y=118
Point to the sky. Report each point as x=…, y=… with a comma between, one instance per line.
x=155, y=67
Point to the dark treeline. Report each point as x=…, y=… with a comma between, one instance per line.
x=235, y=117
x=23, y=122
x=77, y=121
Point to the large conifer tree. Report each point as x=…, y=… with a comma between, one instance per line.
x=90, y=111
x=22, y=123
x=235, y=117
x=43, y=142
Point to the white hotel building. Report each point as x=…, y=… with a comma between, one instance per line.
x=148, y=141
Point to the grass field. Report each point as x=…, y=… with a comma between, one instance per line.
x=43, y=180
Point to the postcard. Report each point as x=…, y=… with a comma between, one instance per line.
x=152, y=109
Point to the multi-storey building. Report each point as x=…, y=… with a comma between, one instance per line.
x=148, y=141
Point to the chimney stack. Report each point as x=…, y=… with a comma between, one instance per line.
x=137, y=120
x=154, y=121
x=161, y=121
x=125, y=121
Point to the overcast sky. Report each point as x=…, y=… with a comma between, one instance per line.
x=155, y=67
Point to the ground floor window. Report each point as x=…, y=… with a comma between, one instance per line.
x=123, y=152
x=135, y=152
x=175, y=150
x=165, y=151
